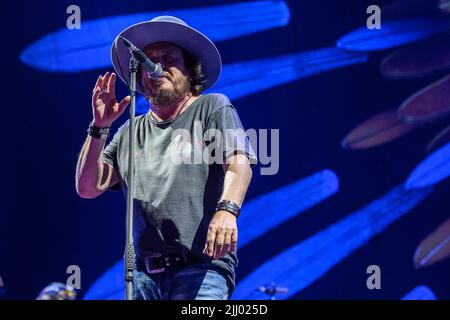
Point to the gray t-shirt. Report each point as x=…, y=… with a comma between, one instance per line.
x=177, y=183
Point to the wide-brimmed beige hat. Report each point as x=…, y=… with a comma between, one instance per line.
x=169, y=29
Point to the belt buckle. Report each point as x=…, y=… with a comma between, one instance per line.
x=149, y=266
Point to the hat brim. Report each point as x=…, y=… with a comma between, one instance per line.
x=145, y=33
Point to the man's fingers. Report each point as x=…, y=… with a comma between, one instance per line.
x=95, y=95
x=97, y=83
x=123, y=104
x=100, y=86
x=219, y=244
x=234, y=239
x=226, y=245
x=104, y=80
x=110, y=86
x=212, y=232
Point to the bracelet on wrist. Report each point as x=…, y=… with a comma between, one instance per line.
x=229, y=206
x=97, y=132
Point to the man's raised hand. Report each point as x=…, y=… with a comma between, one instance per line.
x=105, y=108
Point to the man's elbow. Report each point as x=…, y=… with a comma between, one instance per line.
x=86, y=193
x=240, y=164
x=244, y=167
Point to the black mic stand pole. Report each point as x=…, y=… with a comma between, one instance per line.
x=129, y=247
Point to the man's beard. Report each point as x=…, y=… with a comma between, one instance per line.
x=165, y=97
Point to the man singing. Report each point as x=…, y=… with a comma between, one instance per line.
x=185, y=221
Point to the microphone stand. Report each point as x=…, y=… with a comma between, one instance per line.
x=137, y=57
x=129, y=246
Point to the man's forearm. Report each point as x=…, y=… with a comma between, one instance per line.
x=222, y=233
x=237, y=179
x=90, y=167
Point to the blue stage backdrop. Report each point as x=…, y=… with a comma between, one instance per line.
x=359, y=185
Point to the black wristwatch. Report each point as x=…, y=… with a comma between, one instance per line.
x=97, y=132
x=229, y=206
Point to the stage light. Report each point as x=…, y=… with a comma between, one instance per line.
x=433, y=248
x=428, y=104
x=435, y=168
x=394, y=33
x=89, y=48
x=304, y=263
x=420, y=293
x=384, y=127
x=421, y=59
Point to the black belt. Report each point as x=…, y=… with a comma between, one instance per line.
x=157, y=263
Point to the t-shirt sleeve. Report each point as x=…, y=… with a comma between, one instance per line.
x=234, y=139
x=110, y=153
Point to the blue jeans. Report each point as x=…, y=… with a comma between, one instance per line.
x=201, y=281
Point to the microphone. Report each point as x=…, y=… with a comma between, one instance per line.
x=154, y=70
